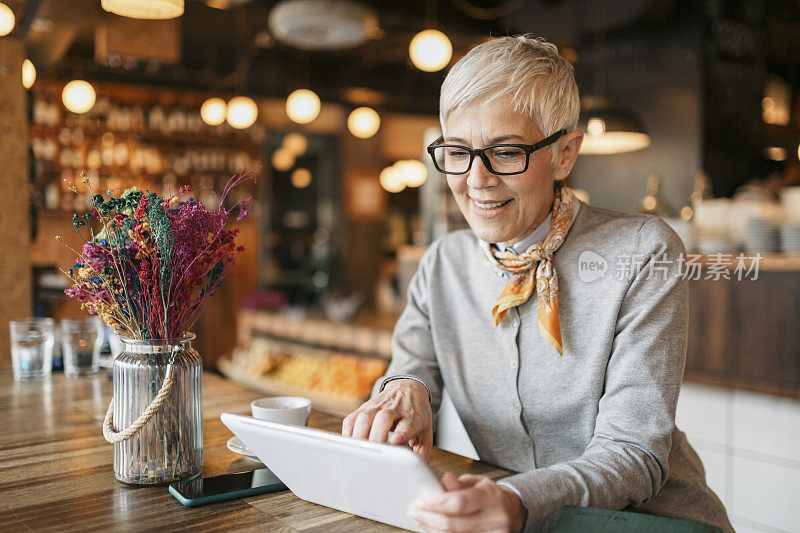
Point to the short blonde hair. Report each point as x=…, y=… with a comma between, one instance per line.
x=528, y=70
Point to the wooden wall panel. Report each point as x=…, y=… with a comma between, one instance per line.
x=362, y=239
x=15, y=272
x=746, y=334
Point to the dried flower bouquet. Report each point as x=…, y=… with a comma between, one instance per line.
x=155, y=261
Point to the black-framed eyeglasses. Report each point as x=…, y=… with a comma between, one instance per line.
x=501, y=159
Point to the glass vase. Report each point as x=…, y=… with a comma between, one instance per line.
x=169, y=447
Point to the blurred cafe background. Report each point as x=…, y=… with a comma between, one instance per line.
x=691, y=110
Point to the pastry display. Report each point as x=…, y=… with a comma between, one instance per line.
x=349, y=376
x=330, y=374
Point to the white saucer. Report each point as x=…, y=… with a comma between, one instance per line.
x=236, y=445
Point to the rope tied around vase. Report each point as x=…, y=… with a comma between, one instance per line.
x=113, y=436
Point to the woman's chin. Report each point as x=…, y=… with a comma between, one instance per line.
x=488, y=234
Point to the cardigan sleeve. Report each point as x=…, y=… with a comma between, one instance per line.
x=626, y=461
x=412, y=343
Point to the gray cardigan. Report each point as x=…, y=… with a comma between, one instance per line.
x=595, y=427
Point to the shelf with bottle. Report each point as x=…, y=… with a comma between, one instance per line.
x=178, y=138
x=77, y=148
x=52, y=188
x=159, y=114
x=133, y=136
x=114, y=157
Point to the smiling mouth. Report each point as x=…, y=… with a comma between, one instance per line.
x=489, y=205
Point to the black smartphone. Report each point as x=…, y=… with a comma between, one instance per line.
x=203, y=490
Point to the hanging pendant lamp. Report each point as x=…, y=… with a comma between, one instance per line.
x=610, y=128
x=144, y=9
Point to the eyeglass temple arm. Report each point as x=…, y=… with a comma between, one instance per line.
x=548, y=140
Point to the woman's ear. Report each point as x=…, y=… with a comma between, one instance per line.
x=569, y=153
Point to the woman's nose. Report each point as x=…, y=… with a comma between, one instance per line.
x=479, y=176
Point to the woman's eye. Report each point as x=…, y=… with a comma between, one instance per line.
x=457, y=153
x=508, y=153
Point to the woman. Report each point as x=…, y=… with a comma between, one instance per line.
x=574, y=387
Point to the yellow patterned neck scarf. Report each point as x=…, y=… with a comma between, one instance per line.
x=521, y=269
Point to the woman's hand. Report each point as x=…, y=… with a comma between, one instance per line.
x=469, y=503
x=402, y=407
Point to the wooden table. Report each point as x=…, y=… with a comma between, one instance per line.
x=56, y=468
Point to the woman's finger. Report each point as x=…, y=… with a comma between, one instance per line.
x=382, y=424
x=488, y=520
x=405, y=431
x=349, y=421
x=455, y=502
x=450, y=482
x=436, y=522
x=363, y=423
x=470, y=480
x=425, y=446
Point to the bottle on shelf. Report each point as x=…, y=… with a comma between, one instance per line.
x=52, y=196
x=654, y=202
x=701, y=191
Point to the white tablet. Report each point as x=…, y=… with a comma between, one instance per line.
x=376, y=481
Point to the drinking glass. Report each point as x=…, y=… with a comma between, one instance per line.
x=81, y=340
x=32, y=341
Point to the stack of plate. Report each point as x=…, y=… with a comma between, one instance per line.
x=790, y=238
x=761, y=235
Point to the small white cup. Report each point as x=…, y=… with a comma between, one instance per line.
x=292, y=410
